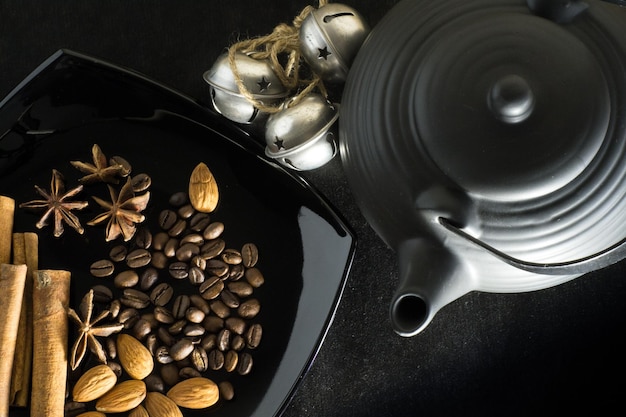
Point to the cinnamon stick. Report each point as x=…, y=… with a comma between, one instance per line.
x=7, y=210
x=25, y=251
x=12, y=279
x=51, y=293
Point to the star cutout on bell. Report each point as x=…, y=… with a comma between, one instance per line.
x=279, y=143
x=263, y=84
x=323, y=53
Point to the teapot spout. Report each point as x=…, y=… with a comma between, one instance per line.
x=430, y=278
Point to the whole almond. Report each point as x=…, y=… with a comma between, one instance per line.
x=196, y=393
x=158, y=405
x=203, y=192
x=123, y=397
x=139, y=411
x=135, y=358
x=94, y=383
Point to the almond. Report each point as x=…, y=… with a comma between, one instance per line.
x=198, y=392
x=94, y=383
x=139, y=411
x=123, y=397
x=203, y=192
x=135, y=358
x=92, y=414
x=158, y=405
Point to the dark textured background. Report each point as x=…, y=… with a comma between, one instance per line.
x=542, y=353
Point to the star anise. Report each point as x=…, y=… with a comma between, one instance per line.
x=100, y=170
x=123, y=212
x=88, y=331
x=57, y=202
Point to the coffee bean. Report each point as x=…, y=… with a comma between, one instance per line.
x=181, y=304
x=231, y=358
x=216, y=359
x=212, y=248
x=152, y=343
x=200, y=303
x=196, y=276
x=178, y=199
x=198, y=262
x=74, y=408
x=164, y=336
x=154, y=383
x=253, y=336
x=194, y=238
x=114, y=308
x=128, y=317
x=141, y=329
x=199, y=222
x=211, y=287
x=177, y=228
x=241, y=288
x=213, y=324
x=177, y=327
x=118, y=253
x=245, y=364
x=230, y=299
x=115, y=367
x=138, y=258
x=163, y=315
x=194, y=315
x=189, y=372
x=254, y=277
x=102, y=294
x=135, y=298
x=141, y=182
x=159, y=260
x=187, y=251
x=226, y=390
x=217, y=267
x=151, y=319
x=186, y=211
x=162, y=356
x=236, y=272
x=220, y=309
x=249, y=255
x=213, y=230
x=237, y=343
x=181, y=349
x=194, y=330
x=199, y=359
x=169, y=373
x=126, y=279
x=170, y=247
x=148, y=277
x=161, y=294
x=236, y=325
x=231, y=256
x=167, y=218
x=179, y=270
x=209, y=342
x=249, y=308
x=223, y=340
x=111, y=347
x=102, y=268
x=143, y=238
x=159, y=240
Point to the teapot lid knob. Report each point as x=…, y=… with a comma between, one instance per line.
x=511, y=99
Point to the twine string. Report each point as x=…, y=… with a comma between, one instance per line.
x=284, y=42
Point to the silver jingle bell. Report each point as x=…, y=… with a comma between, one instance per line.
x=258, y=78
x=330, y=38
x=303, y=136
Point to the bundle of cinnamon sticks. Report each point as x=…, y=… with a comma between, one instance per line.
x=32, y=302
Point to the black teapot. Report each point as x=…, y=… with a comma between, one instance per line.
x=485, y=141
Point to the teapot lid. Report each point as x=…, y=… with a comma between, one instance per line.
x=506, y=102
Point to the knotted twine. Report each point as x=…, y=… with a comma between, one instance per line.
x=283, y=40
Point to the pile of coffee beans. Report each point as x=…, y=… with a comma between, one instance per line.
x=186, y=295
